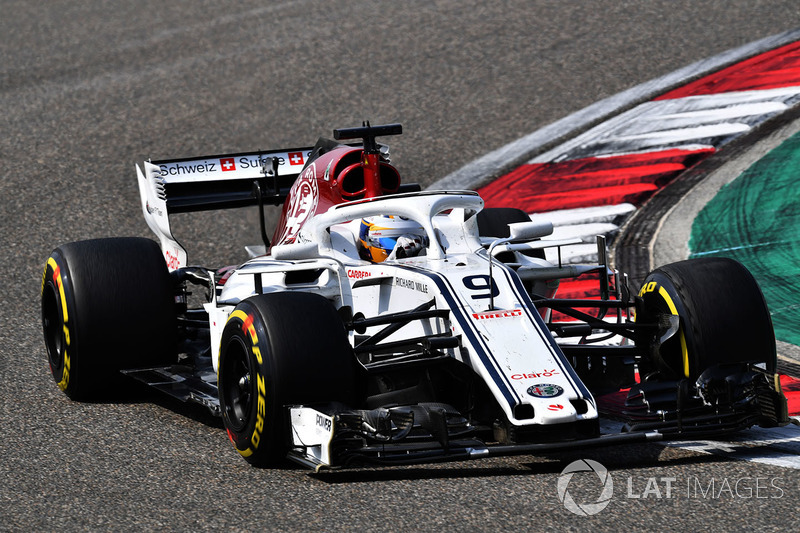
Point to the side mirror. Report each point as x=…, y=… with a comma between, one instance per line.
x=526, y=231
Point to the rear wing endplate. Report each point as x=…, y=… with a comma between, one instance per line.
x=212, y=182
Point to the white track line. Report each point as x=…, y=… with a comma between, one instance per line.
x=493, y=164
x=772, y=446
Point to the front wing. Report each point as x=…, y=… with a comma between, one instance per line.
x=724, y=400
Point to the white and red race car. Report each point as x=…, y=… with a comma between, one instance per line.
x=385, y=324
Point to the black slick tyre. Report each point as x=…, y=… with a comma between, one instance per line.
x=280, y=349
x=723, y=317
x=107, y=304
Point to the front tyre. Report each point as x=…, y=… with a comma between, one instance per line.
x=280, y=349
x=107, y=304
x=722, y=313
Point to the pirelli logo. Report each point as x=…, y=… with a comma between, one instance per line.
x=488, y=315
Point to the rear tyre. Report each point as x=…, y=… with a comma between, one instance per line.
x=494, y=221
x=280, y=349
x=107, y=304
x=723, y=317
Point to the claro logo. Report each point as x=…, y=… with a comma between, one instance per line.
x=173, y=260
x=532, y=375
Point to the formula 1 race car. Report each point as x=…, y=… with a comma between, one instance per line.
x=384, y=324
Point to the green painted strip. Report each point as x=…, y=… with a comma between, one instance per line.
x=755, y=219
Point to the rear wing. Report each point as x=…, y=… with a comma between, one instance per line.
x=213, y=182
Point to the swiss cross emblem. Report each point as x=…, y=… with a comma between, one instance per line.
x=295, y=158
x=227, y=164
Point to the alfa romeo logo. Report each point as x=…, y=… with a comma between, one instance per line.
x=545, y=390
x=302, y=203
x=583, y=508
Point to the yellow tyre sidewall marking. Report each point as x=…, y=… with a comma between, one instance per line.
x=684, y=351
x=651, y=287
x=54, y=266
x=249, y=329
x=57, y=280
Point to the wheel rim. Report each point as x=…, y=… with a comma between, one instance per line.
x=53, y=325
x=237, y=386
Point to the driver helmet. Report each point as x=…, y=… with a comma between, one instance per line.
x=389, y=237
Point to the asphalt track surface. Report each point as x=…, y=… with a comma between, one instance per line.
x=88, y=89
